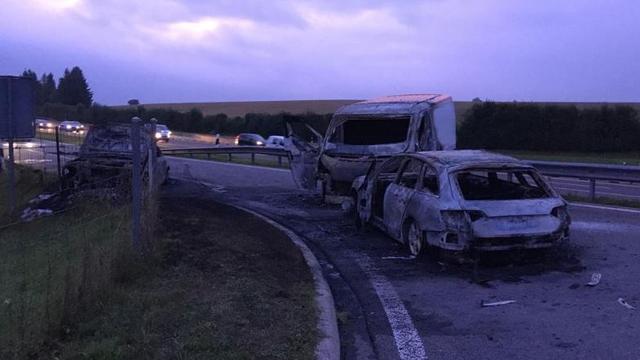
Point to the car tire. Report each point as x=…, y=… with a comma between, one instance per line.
x=414, y=239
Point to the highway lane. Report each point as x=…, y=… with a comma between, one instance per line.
x=388, y=297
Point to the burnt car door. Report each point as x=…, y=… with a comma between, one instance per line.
x=398, y=194
x=303, y=143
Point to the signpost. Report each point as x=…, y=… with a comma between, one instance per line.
x=17, y=99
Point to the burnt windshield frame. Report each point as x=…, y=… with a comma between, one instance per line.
x=342, y=119
x=542, y=184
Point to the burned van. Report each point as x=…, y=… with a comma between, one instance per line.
x=365, y=130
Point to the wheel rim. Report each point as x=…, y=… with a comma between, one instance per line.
x=415, y=240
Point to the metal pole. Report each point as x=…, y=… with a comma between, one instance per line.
x=136, y=184
x=592, y=189
x=151, y=160
x=10, y=165
x=58, y=155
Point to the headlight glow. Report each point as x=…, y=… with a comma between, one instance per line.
x=158, y=135
x=68, y=126
x=258, y=142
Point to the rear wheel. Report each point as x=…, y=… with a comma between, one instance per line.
x=414, y=239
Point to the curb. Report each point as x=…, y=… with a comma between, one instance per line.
x=328, y=347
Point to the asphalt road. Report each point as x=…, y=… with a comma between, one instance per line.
x=394, y=307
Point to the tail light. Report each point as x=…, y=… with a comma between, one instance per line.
x=561, y=213
x=455, y=219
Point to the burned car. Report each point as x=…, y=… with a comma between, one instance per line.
x=461, y=200
x=105, y=158
x=367, y=130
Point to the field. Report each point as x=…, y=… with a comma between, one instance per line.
x=240, y=108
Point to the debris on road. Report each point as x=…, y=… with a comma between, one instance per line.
x=496, y=303
x=398, y=257
x=30, y=214
x=595, y=279
x=624, y=303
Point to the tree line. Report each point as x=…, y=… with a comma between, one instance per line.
x=535, y=127
x=71, y=89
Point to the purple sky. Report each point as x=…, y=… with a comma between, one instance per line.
x=221, y=50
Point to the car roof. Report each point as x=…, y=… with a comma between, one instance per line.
x=394, y=104
x=463, y=158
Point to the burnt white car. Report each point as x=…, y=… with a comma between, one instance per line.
x=461, y=200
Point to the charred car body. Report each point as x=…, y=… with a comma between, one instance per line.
x=362, y=132
x=461, y=200
x=105, y=158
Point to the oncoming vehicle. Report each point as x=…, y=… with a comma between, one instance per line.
x=71, y=126
x=250, y=139
x=364, y=131
x=275, y=141
x=45, y=124
x=461, y=200
x=162, y=132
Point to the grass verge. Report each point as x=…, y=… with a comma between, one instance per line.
x=604, y=201
x=29, y=183
x=625, y=158
x=54, y=269
x=225, y=286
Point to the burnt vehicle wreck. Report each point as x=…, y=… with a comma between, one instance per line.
x=364, y=132
x=105, y=158
x=461, y=200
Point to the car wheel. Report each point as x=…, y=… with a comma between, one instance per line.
x=414, y=239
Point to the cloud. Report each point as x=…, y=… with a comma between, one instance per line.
x=254, y=49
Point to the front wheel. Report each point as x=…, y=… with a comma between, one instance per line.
x=414, y=239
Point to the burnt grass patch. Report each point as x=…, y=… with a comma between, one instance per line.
x=224, y=285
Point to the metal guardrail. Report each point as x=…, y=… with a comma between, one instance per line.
x=230, y=151
x=589, y=172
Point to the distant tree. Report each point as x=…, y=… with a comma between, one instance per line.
x=28, y=73
x=73, y=88
x=134, y=102
x=48, y=88
x=476, y=99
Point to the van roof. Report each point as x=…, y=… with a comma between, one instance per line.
x=394, y=104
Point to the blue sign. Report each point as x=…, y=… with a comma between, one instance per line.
x=17, y=102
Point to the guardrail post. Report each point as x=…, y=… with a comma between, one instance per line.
x=592, y=189
x=229, y=156
x=279, y=160
x=253, y=158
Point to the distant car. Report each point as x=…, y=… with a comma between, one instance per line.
x=250, y=139
x=45, y=124
x=71, y=126
x=162, y=132
x=461, y=200
x=275, y=141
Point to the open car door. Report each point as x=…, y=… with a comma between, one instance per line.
x=303, y=144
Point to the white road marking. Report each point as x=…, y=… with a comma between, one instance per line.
x=601, y=207
x=408, y=341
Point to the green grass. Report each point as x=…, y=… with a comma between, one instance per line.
x=625, y=158
x=65, y=137
x=54, y=269
x=226, y=286
x=260, y=160
x=604, y=201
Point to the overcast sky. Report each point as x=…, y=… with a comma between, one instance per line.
x=220, y=50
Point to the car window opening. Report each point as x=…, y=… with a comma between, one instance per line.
x=430, y=182
x=500, y=185
x=385, y=177
x=372, y=131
